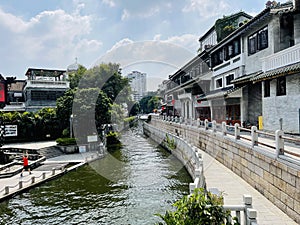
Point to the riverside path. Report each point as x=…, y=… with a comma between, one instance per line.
x=234, y=187
x=224, y=179
x=50, y=169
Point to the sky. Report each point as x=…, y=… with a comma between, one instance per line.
x=153, y=37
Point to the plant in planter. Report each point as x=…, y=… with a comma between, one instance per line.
x=67, y=145
x=201, y=207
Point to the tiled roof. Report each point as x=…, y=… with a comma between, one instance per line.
x=282, y=71
x=245, y=78
x=218, y=94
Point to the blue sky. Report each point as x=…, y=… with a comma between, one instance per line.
x=156, y=37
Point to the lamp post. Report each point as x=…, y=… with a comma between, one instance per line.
x=71, y=125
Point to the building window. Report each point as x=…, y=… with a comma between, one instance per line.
x=236, y=47
x=219, y=83
x=281, y=86
x=229, y=78
x=258, y=41
x=252, y=44
x=262, y=39
x=267, y=88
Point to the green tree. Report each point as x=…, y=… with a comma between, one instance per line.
x=149, y=103
x=134, y=108
x=89, y=113
x=116, y=114
x=108, y=77
x=64, y=107
x=104, y=81
x=47, y=123
x=75, y=77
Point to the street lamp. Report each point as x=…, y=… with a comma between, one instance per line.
x=71, y=125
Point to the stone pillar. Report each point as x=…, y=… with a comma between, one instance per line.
x=236, y=131
x=297, y=27
x=279, y=142
x=275, y=29
x=20, y=184
x=251, y=216
x=6, y=190
x=214, y=126
x=254, y=136
x=224, y=128
x=206, y=124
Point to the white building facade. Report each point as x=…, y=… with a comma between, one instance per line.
x=138, y=84
x=252, y=74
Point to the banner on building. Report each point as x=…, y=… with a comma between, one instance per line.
x=2, y=92
x=11, y=131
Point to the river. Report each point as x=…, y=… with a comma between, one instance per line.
x=128, y=186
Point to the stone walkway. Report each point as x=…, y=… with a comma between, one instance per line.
x=51, y=168
x=234, y=187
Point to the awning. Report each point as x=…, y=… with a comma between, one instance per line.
x=246, y=78
x=286, y=70
x=221, y=94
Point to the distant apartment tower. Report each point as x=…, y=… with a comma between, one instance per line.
x=138, y=83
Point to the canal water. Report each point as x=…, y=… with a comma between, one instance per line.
x=129, y=186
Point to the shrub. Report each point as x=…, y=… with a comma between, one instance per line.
x=112, y=138
x=66, y=141
x=65, y=133
x=201, y=207
x=170, y=142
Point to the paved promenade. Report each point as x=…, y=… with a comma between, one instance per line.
x=234, y=187
x=50, y=169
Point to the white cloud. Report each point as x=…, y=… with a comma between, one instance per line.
x=138, y=14
x=49, y=39
x=110, y=3
x=172, y=52
x=157, y=37
x=207, y=8
x=188, y=41
x=125, y=15
x=12, y=23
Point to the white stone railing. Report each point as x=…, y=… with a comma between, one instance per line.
x=185, y=96
x=285, y=57
x=230, y=64
x=249, y=214
x=43, y=83
x=279, y=141
x=192, y=159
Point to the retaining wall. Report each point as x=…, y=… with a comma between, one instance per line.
x=183, y=151
x=277, y=179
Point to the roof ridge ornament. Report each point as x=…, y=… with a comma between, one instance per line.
x=272, y=4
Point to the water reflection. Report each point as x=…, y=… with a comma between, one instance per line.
x=148, y=182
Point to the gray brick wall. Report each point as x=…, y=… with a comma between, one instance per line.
x=276, y=179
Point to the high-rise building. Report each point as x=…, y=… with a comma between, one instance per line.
x=138, y=83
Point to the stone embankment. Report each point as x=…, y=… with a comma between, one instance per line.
x=275, y=177
x=191, y=158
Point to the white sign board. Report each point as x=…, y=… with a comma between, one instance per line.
x=92, y=138
x=82, y=149
x=11, y=130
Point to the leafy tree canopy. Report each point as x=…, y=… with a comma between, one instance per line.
x=149, y=103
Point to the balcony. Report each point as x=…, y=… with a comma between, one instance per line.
x=283, y=58
x=230, y=64
x=47, y=84
x=185, y=96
